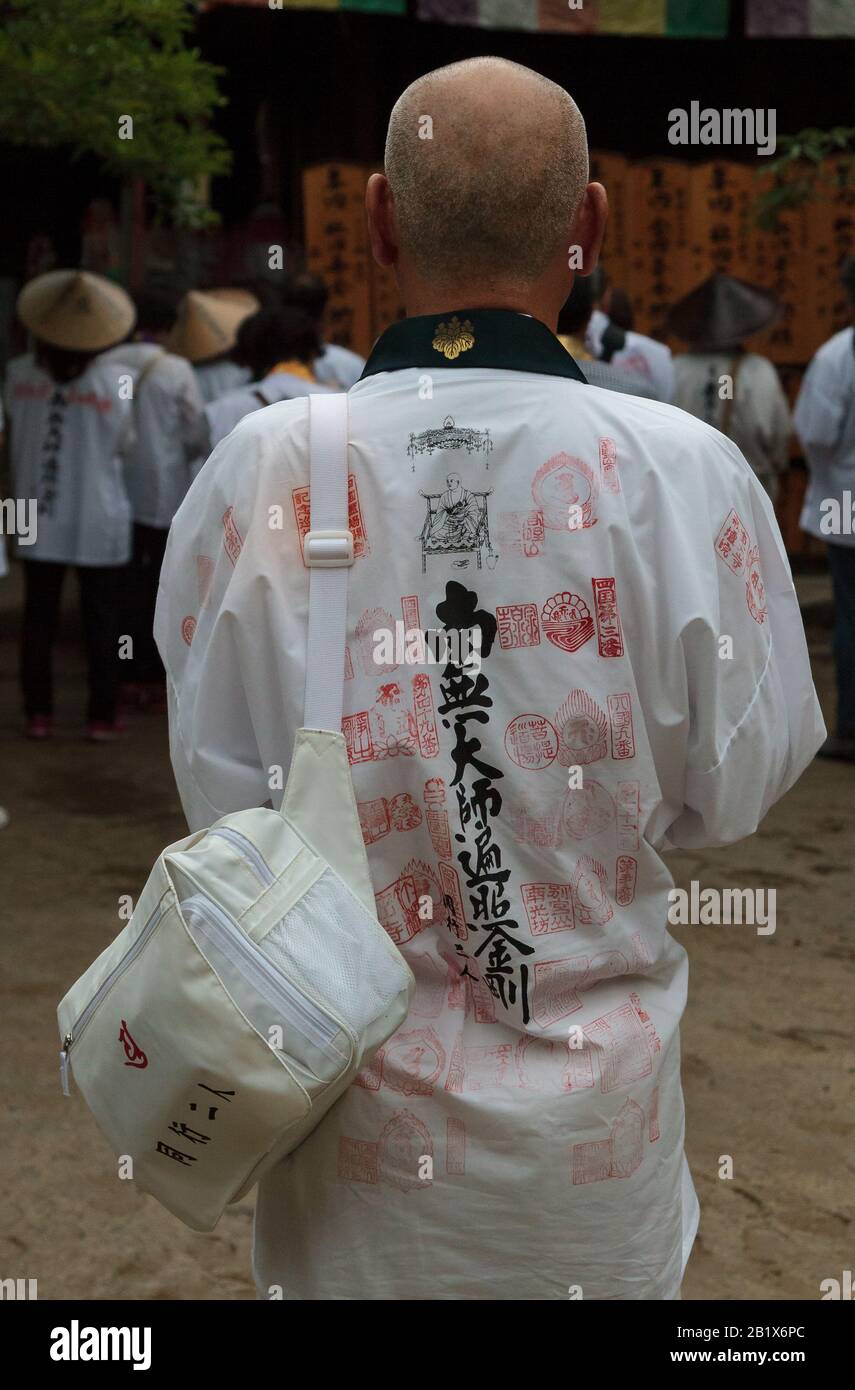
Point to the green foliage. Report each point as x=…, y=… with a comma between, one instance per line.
x=797, y=173
x=71, y=69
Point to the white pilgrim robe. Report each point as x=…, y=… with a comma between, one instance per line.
x=68, y=447
x=521, y=1136
x=825, y=423
x=759, y=414
x=169, y=430
x=640, y=356
x=216, y=378
x=338, y=367
x=226, y=411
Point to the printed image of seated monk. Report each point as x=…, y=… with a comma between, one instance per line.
x=455, y=523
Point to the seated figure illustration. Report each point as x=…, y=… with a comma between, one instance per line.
x=456, y=522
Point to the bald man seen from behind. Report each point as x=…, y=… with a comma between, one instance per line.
x=639, y=682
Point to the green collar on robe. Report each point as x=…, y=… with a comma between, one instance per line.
x=499, y=338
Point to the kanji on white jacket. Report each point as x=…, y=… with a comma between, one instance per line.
x=522, y=1135
x=68, y=446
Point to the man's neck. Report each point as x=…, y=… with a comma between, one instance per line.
x=430, y=302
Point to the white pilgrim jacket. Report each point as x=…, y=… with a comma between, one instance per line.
x=169, y=430
x=338, y=367
x=229, y=409
x=69, y=442
x=759, y=422
x=825, y=423
x=640, y=355
x=216, y=378
x=521, y=1136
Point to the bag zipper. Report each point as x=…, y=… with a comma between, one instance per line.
x=127, y=959
x=247, y=849
x=272, y=985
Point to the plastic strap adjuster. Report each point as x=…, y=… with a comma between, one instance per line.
x=328, y=549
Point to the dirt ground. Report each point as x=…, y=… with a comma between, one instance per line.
x=768, y=1051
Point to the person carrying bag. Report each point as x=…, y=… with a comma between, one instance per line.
x=253, y=980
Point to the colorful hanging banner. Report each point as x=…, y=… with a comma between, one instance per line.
x=368, y=6
x=641, y=18
x=692, y=19
x=800, y=19
x=698, y=19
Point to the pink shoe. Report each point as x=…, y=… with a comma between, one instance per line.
x=100, y=731
x=39, y=726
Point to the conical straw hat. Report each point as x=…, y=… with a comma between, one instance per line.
x=718, y=314
x=77, y=310
x=208, y=321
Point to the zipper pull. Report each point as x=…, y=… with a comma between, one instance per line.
x=63, y=1065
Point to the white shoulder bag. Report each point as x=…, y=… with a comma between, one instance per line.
x=254, y=979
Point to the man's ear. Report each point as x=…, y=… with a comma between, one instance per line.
x=381, y=220
x=589, y=227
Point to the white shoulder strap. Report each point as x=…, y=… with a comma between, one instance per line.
x=328, y=551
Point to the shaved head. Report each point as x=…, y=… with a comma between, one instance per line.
x=495, y=186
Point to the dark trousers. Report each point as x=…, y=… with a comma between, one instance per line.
x=99, y=591
x=841, y=562
x=139, y=596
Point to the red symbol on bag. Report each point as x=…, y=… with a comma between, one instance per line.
x=135, y=1055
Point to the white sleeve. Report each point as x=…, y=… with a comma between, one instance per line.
x=755, y=722
x=205, y=587
x=230, y=675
